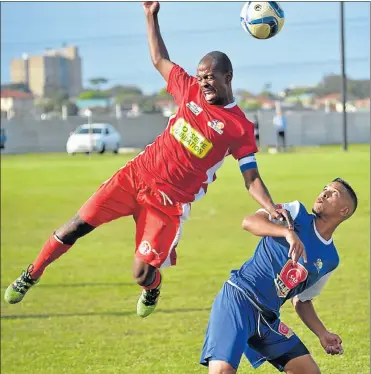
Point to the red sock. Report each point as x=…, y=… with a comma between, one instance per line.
x=155, y=283
x=52, y=249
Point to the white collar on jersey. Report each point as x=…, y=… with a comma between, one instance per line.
x=231, y=105
x=326, y=242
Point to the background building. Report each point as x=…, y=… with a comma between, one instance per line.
x=16, y=102
x=57, y=70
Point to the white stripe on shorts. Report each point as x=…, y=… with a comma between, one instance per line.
x=186, y=209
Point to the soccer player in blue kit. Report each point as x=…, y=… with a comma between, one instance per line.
x=245, y=315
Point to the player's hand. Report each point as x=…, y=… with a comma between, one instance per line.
x=331, y=343
x=151, y=7
x=297, y=249
x=283, y=215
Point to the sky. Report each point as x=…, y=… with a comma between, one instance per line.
x=111, y=37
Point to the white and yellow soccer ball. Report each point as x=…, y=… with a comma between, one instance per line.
x=263, y=19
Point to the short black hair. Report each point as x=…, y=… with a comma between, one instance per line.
x=221, y=61
x=350, y=191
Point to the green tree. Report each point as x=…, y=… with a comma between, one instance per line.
x=267, y=94
x=98, y=82
x=250, y=105
x=163, y=94
x=359, y=88
x=72, y=109
x=148, y=104
x=244, y=93
x=126, y=90
x=93, y=94
x=54, y=100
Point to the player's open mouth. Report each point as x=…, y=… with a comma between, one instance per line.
x=209, y=95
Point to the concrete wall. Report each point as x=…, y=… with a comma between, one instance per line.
x=306, y=128
x=51, y=135
x=316, y=128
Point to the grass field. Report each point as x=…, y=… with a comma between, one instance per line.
x=81, y=317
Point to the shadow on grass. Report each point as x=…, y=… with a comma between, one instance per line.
x=96, y=314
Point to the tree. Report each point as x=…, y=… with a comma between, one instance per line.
x=125, y=94
x=45, y=105
x=267, y=94
x=148, y=104
x=98, y=82
x=163, y=94
x=333, y=83
x=54, y=100
x=244, y=93
x=72, y=109
x=250, y=105
x=125, y=91
x=93, y=94
x=298, y=91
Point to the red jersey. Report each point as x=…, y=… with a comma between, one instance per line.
x=182, y=161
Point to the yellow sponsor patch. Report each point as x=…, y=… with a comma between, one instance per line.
x=190, y=138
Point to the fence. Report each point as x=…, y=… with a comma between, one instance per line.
x=303, y=128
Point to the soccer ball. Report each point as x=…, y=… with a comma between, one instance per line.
x=263, y=19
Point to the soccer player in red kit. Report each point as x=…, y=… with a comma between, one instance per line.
x=158, y=186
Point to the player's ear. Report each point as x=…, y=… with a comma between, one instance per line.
x=229, y=77
x=344, y=212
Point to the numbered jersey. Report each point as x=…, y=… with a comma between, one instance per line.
x=183, y=160
x=271, y=277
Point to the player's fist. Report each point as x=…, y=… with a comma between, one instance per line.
x=331, y=343
x=151, y=7
x=283, y=216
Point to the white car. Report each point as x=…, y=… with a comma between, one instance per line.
x=97, y=137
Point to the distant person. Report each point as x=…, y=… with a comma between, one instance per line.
x=159, y=185
x=3, y=138
x=256, y=130
x=245, y=316
x=280, y=124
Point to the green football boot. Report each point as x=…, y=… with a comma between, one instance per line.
x=18, y=289
x=148, y=300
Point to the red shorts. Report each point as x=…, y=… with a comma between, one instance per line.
x=158, y=220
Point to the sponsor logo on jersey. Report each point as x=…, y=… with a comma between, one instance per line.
x=284, y=330
x=217, y=126
x=190, y=138
x=145, y=249
x=318, y=264
x=291, y=276
x=194, y=108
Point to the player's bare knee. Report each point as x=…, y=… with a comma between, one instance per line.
x=309, y=367
x=143, y=273
x=146, y=278
x=306, y=371
x=314, y=370
x=72, y=230
x=220, y=367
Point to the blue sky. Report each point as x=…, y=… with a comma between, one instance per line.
x=112, y=40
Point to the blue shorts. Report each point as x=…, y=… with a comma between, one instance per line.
x=237, y=327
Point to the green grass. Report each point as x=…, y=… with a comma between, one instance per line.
x=81, y=317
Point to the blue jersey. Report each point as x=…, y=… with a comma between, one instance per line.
x=271, y=278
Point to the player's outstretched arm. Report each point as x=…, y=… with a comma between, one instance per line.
x=260, y=225
x=330, y=342
x=260, y=193
x=159, y=54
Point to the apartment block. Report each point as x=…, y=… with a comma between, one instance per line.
x=57, y=70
